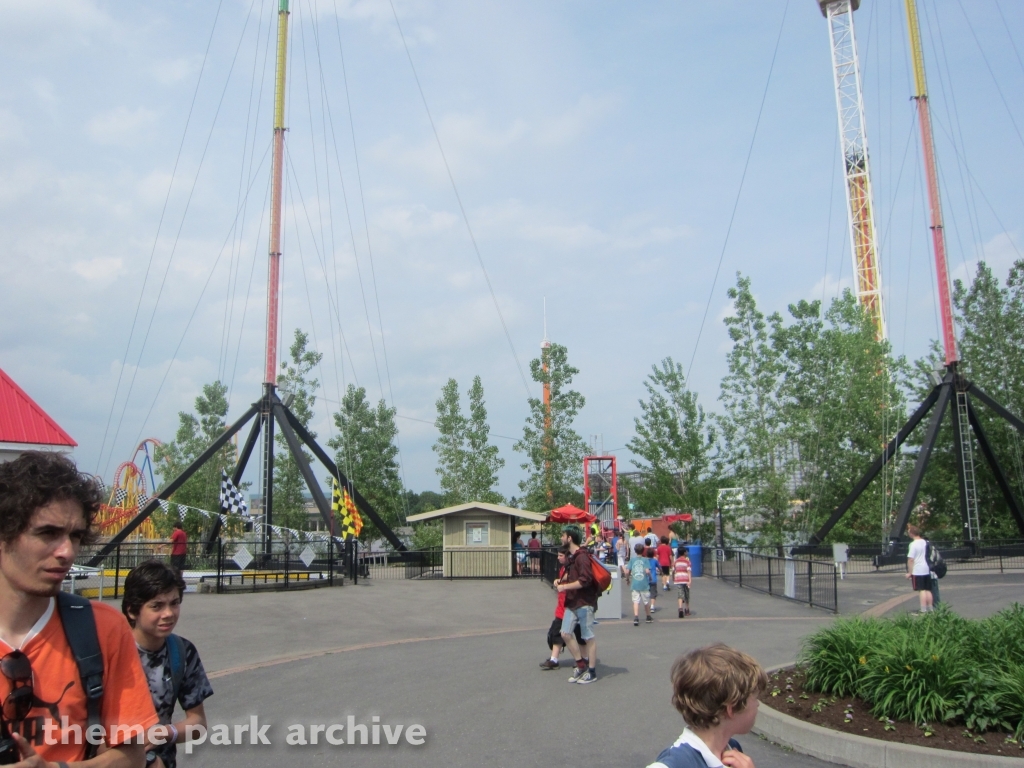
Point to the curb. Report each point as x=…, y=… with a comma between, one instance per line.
x=860, y=751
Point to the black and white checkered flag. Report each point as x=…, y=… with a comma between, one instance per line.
x=120, y=497
x=232, y=501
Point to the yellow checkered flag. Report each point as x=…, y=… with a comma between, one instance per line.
x=340, y=507
x=352, y=514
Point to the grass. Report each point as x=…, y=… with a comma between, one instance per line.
x=938, y=667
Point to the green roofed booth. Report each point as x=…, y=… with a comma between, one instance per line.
x=478, y=538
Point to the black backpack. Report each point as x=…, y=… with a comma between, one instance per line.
x=80, y=630
x=935, y=562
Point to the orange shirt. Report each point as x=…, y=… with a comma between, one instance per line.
x=57, y=688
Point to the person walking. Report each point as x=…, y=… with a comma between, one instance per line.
x=681, y=572
x=533, y=545
x=918, y=570
x=653, y=576
x=179, y=546
x=555, y=640
x=580, y=604
x=664, y=554
x=639, y=584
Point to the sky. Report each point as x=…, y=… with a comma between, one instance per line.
x=607, y=159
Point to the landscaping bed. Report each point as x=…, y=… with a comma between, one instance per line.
x=935, y=680
x=831, y=712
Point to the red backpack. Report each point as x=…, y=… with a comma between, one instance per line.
x=602, y=578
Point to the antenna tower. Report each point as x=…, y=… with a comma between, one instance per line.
x=270, y=409
x=952, y=391
x=850, y=104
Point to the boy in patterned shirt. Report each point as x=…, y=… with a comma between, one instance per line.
x=152, y=604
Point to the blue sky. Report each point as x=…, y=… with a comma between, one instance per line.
x=597, y=148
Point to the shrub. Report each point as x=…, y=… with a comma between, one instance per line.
x=936, y=667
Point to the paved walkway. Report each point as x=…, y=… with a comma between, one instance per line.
x=460, y=658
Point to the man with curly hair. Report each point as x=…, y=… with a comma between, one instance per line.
x=46, y=513
x=716, y=690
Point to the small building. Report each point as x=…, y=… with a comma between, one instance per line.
x=478, y=538
x=24, y=426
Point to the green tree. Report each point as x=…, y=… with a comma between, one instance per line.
x=195, y=433
x=756, y=451
x=841, y=403
x=365, y=449
x=554, y=452
x=467, y=463
x=289, y=485
x=673, y=447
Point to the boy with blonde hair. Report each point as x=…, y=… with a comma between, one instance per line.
x=716, y=691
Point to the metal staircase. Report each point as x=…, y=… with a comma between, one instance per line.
x=967, y=456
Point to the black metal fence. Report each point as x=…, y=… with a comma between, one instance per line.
x=996, y=555
x=460, y=564
x=814, y=582
x=234, y=566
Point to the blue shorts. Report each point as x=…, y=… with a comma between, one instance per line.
x=584, y=616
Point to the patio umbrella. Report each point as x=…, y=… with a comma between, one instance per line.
x=570, y=514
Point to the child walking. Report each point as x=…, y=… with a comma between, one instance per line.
x=681, y=572
x=640, y=583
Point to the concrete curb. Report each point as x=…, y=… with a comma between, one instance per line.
x=860, y=751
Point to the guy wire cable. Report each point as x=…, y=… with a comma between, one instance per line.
x=156, y=239
x=739, y=192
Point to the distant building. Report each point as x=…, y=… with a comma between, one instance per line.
x=24, y=426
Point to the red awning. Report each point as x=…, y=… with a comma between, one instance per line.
x=570, y=514
x=23, y=421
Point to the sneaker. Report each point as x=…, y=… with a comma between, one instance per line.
x=682, y=614
x=636, y=621
x=687, y=611
x=577, y=674
x=650, y=619
x=587, y=677
x=549, y=664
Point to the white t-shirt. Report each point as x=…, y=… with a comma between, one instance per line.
x=918, y=552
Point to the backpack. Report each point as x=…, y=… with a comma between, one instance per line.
x=935, y=562
x=80, y=630
x=602, y=577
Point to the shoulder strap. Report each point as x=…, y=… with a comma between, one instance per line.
x=176, y=654
x=79, y=624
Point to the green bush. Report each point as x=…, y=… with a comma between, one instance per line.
x=930, y=668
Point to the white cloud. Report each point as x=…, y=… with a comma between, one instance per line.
x=120, y=125
x=171, y=71
x=102, y=269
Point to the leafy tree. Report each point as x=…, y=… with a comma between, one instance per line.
x=365, y=450
x=756, y=451
x=467, y=463
x=554, y=452
x=196, y=432
x=289, y=486
x=673, y=446
x=841, y=403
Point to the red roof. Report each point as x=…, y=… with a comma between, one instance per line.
x=23, y=421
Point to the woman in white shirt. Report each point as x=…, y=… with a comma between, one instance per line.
x=918, y=570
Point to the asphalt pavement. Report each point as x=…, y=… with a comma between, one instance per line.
x=461, y=658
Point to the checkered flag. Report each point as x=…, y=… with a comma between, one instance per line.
x=231, y=499
x=120, y=497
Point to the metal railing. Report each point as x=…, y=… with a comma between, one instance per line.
x=460, y=564
x=814, y=582
x=287, y=567
x=995, y=555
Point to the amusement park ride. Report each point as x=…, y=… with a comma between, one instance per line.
x=952, y=391
x=133, y=481
x=270, y=408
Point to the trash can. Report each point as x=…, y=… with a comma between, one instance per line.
x=696, y=552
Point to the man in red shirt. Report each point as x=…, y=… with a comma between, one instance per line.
x=555, y=632
x=179, y=546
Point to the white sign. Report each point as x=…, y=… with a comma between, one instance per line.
x=242, y=557
x=307, y=556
